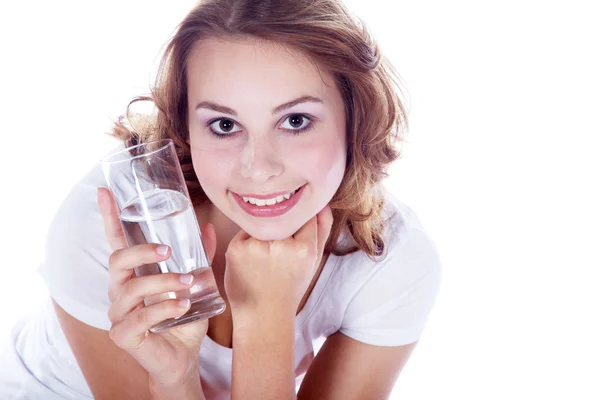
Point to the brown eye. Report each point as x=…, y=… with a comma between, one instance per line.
x=226, y=125
x=223, y=127
x=296, y=121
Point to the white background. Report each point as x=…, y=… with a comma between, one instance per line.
x=501, y=164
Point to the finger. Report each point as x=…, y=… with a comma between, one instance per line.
x=121, y=263
x=209, y=240
x=131, y=331
x=135, y=290
x=138, y=255
x=110, y=216
x=324, y=223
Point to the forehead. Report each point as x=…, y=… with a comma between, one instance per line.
x=224, y=68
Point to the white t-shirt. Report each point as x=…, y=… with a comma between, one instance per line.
x=384, y=303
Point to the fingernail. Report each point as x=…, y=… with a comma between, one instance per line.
x=162, y=250
x=184, y=303
x=187, y=279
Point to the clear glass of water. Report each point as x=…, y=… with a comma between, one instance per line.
x=155, y=207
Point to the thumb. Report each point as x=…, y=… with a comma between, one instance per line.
x=209, y=239
x=110, y=215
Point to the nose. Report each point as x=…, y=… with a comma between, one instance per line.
x=260, y=160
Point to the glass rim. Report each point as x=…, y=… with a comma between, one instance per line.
x=108, y=158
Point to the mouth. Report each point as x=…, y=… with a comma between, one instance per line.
x=269, y=207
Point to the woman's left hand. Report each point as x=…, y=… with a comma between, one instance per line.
x=270, y=275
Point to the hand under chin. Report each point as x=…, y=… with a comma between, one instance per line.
x=274, y=232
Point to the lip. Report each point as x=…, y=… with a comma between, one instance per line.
x=269, y=211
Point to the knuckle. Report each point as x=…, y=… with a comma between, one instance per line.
x=277, y=247
x=113, y=259
x=234, y=249
x=303, y=250
x=115, y=334
x=112, y=317
x=254, y=246
x=121, y=335
x=141, y=317
x=131, y=287
x=237, y=246
x=112, y=293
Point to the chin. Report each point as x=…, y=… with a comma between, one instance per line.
x=267, y=230
x=267, y=234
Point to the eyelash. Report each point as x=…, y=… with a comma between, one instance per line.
x=294, y=132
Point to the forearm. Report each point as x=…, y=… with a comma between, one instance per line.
x=263, y=356
x=189, y=390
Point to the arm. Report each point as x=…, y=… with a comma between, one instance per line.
x=263, y=356
x=344, y=368
x=117, y=364
x=265, y=282
x=347, y=369
x=389, y=310
x=110, y=372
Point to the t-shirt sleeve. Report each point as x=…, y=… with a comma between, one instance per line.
x=392, y=306
x=75, y=266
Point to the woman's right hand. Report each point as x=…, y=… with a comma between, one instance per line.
x=170, y=357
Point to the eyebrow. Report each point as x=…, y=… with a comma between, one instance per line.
x=219, y=108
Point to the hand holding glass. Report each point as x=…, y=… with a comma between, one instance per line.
x=155, y=207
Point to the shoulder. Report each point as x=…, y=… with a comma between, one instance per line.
x=75, y=266
x=407, y=245
x=78, y=218
x=387, y=300
x=411, y=261
x=411, y=253
x=404, y=234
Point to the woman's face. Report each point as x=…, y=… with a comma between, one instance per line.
x=264, y=122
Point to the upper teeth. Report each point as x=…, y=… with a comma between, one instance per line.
x=269, y=202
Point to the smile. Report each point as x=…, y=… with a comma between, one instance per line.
x=269, y=207
x=269, y=202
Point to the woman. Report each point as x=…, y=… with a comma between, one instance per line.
x=264, y=100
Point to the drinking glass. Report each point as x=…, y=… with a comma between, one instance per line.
x=155, y=207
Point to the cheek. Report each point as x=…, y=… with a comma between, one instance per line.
x=332, y=166
x=212, y=167
x=322, y=163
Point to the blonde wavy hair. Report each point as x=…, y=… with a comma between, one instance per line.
x=335, y=40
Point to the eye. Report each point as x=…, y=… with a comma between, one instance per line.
x=223, y=127
x=297, y=123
